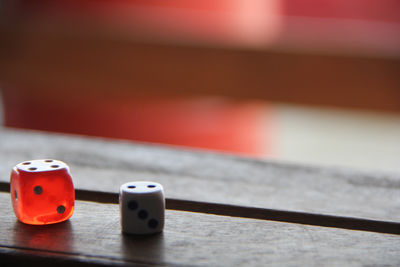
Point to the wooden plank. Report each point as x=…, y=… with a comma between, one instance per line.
x=103, y=165
x=349, y=223
x=93, y=236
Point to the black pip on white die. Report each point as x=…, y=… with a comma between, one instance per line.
x=142, y=207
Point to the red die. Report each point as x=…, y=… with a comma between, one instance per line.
x=42, y=191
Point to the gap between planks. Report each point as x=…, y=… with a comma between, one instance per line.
x=250, y=212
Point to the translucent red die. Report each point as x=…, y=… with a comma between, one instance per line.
x=42, y=191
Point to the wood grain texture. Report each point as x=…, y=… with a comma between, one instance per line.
x=103, y=165
x=349, y=223
x=92, y=236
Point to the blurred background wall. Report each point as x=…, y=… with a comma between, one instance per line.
x=316, y=82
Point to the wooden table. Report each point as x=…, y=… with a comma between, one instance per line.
x=222, y=210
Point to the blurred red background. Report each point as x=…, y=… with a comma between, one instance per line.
x=245, y=127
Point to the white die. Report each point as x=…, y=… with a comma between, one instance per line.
x=142, y=207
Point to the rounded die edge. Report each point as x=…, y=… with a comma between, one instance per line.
x=136, y=233
x=141, y=187
x=41, y=165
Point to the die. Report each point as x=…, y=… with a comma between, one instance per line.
x=42, y=191
x=142, y=207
